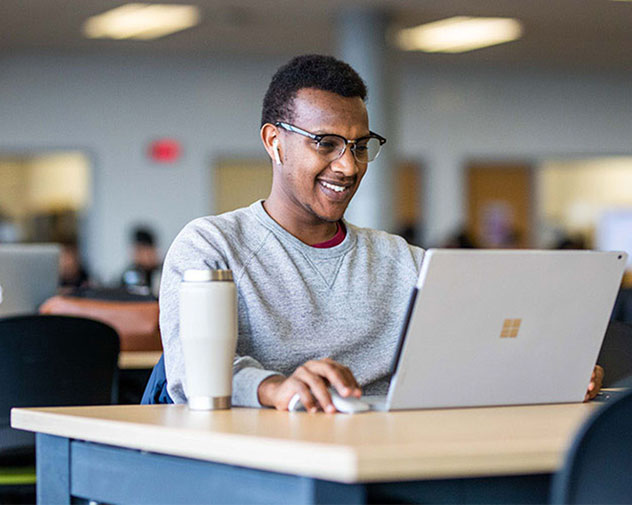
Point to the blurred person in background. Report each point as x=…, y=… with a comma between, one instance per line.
x=143, y=275
x=72, y=272
x=8, y=229
x=410, y=234
x=568, y=241
x=460, y=240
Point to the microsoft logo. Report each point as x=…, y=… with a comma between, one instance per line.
x=510, y=328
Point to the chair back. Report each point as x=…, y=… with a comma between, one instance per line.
x=598, y=466
x=52, y=361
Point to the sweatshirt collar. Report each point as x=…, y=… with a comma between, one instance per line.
x=262, y=216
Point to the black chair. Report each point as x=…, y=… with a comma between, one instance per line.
x=615, y=355
x=50, y=361
x=598, y=466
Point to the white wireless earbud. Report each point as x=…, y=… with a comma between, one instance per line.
x=275, y=146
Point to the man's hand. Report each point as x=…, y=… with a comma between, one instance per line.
x=595, y=383
x=310, y=381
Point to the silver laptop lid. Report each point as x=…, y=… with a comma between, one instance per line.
x=29, y=275
x=504, y=327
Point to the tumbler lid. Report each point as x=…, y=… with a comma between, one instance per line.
x=207, y=275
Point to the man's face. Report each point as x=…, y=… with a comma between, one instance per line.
x=145, y=256
x=312, y=187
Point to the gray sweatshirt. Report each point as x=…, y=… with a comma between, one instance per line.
x=296, y=302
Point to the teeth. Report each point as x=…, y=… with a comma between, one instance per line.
x=338, y=189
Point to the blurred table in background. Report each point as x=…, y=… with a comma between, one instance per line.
x=138, y=360
x=134, y=316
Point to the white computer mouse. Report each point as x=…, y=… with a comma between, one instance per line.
x=350, y=405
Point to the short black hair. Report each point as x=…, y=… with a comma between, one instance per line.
x=143, y=235
x=308, y=71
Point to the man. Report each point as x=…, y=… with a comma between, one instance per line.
x=321, y=302
x=144, y=272
x=72, y=273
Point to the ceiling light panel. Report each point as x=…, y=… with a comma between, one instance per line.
x=459, y=34
x=141, y=21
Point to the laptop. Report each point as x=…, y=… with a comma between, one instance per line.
x=502, y=327
x=29, y=274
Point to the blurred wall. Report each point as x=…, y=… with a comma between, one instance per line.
x=450, y=116
x=112, y=107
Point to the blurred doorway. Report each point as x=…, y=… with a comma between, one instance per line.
x=44, y=196
x=500, y=206
x=407, y=202
x=239, y=182
x=586, y=201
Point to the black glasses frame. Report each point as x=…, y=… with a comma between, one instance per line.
x=318, y=137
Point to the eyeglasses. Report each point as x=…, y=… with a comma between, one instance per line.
x=331, y=146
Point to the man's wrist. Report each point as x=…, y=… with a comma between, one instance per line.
x=267, y=389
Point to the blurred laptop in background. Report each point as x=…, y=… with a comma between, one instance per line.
x=29, y=274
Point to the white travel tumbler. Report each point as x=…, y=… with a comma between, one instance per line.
x=208, y=332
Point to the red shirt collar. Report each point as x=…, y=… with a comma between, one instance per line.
x=337, y=239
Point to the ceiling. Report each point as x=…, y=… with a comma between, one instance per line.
x=558, y=33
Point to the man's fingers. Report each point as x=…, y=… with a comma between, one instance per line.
x=596, y=380
x=338, y=376
x=352, y=384
x=312, y=380
x=308, y=400
x=291, y=387
x=317, y=386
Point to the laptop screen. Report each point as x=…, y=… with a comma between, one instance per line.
x=402, y=335
x=29, y=275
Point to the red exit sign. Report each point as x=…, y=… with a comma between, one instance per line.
x=165, y=150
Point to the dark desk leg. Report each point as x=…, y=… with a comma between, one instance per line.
x=53, y=470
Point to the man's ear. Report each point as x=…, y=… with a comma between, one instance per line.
x=270, y=139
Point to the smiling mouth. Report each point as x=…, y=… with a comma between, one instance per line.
x=334, y=187
x=337, y=192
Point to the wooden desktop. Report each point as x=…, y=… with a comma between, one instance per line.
x=167, y=453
